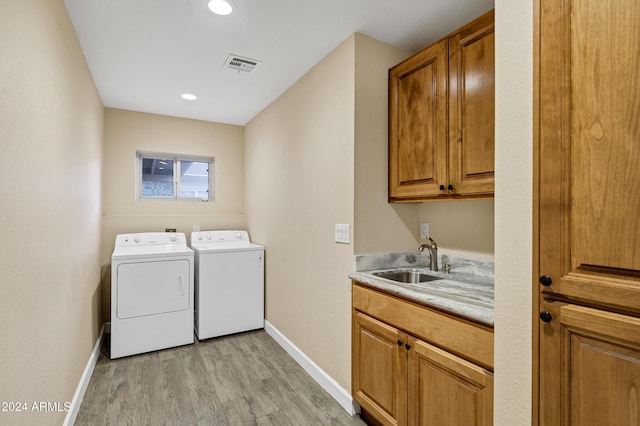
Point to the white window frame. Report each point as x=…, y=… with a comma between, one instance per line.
x=177, y=159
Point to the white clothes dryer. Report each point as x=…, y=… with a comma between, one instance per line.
x=229, y=283
x=151, y=293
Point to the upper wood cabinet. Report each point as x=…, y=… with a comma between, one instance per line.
x=418, y=124
x=471, y=108
x=441, y=125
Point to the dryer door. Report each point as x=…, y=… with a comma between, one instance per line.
x=149, y=288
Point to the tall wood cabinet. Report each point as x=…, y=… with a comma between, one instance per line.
x=414, y=366
x=587, y=199
x=441, y=118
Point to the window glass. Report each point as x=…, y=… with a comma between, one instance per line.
x=194, y=179
x=175, y=177
x=157, y=178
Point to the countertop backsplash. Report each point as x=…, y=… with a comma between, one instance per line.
x=416, y=259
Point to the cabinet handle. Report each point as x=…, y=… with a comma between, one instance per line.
x=450, y=187
x=545, y=316
x=399, y=342
x=407, y=346
x=545, y=280
x=441, y=187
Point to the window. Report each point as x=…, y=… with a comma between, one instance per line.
x=170, y=176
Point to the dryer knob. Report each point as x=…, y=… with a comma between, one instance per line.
x=173, y=238
x=136, y=239
x=208, y=236
x=238, y=235
x=199, y=237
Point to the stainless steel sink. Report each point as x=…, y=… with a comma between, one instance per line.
x=407, y=276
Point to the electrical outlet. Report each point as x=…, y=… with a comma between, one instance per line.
x=424, y=230
x=342, y=233
x=169, y=229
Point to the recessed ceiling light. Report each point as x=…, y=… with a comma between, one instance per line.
x=220, y=7
x=189, y=96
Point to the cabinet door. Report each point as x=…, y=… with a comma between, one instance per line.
x=591, y=367
x=447, y=390
x=588, y=151
x=418, y=124
x=471, y=108
x=379, y=369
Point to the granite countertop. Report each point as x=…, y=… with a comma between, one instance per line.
x=467, y=291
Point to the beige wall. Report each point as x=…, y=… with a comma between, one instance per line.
x=514, y=287
x=299, y=173
x=127, y=132
x=380, y=227
x=51, y=127
x=316, y=157
x=461, y=227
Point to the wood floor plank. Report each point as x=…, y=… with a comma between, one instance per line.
x=239, y=413
x=289, y=402
x=242, y=379
x=276, y=418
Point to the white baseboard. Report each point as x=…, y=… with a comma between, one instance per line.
x=318, y=374
x=84, y=382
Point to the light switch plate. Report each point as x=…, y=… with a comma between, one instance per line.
x=342, y=233
x=424, y=230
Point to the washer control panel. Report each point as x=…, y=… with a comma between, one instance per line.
x=226, y=236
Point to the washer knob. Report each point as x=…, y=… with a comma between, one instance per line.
x=238, y=235
x=199, y=237
x=136, y=239
x=173, y=238
x=208, y=236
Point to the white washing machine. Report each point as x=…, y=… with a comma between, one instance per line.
x=229, y=283
x=151, y=293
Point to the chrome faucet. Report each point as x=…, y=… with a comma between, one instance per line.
x=433, y=252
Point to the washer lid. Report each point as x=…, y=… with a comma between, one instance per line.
x=219, y=248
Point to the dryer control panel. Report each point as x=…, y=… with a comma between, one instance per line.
x=151, y=239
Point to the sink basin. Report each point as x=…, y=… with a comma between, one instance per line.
x=407, y=276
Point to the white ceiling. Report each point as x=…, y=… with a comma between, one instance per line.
x=143, y=54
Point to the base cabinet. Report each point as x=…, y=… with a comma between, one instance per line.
x=400, y=379
x=444, y=389
x=380, y=368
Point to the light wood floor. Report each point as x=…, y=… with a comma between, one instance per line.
x=243, y=379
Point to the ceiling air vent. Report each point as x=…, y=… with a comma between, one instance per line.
x=240, y=64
